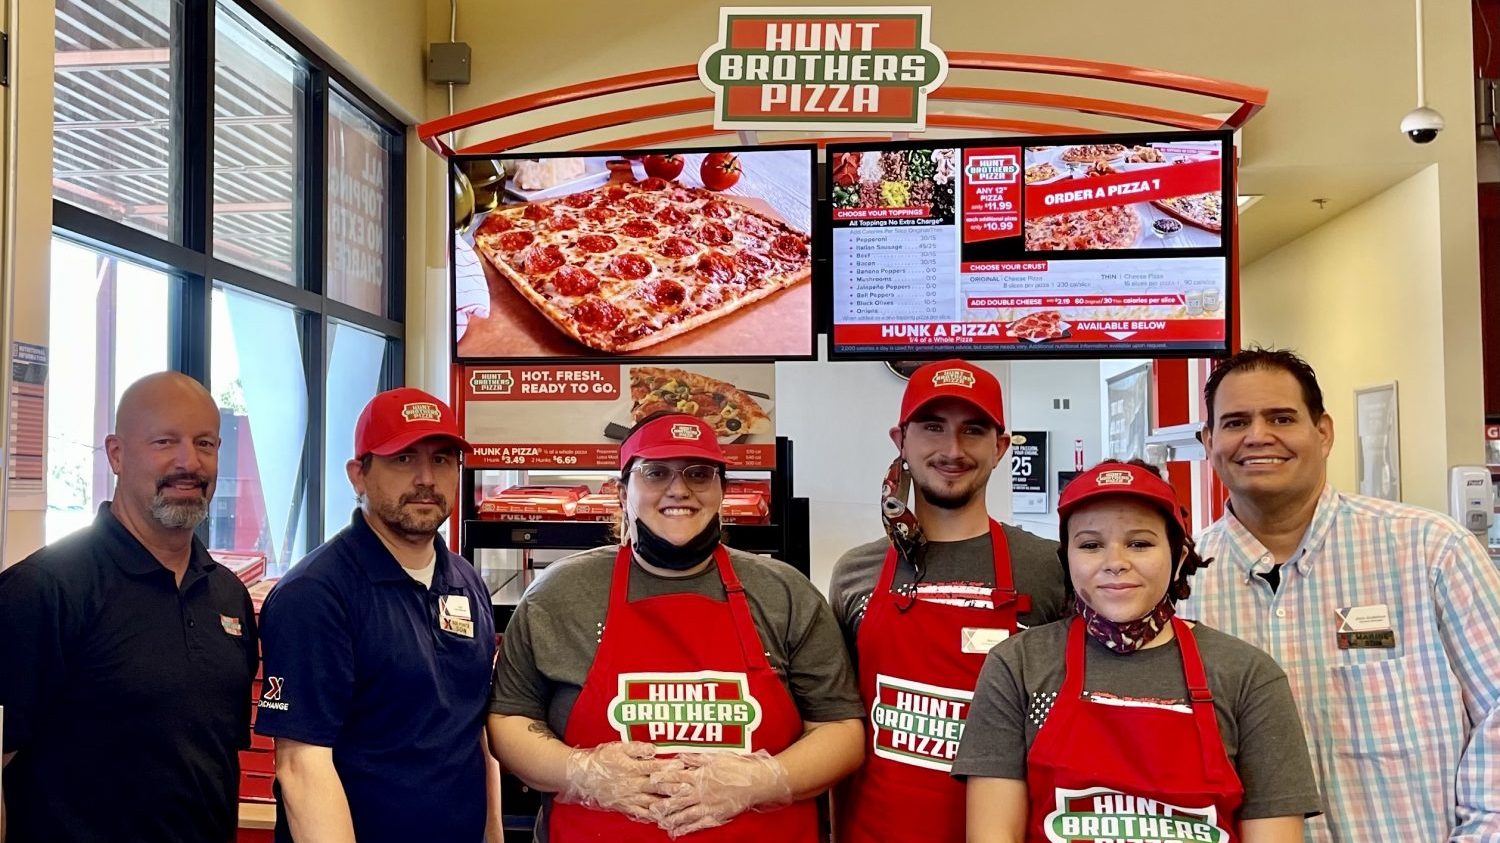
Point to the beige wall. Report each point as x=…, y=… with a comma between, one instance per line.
x=1362, y=299
x=379, y=44
x=32, y=90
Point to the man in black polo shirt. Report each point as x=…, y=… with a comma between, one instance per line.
x=379, y=646
x=126, y=654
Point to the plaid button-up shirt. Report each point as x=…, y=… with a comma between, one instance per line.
x=1405, y=741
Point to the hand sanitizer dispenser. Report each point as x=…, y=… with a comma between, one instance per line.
x=1471, y=497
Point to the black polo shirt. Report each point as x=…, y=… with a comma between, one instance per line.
x=126, y=697
x=394, y=677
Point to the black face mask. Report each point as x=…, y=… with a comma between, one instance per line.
x=663, y=554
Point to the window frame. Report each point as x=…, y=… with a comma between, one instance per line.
x=191, y=261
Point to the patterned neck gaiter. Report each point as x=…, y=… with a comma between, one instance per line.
x=900, y=522
x=1129, y=636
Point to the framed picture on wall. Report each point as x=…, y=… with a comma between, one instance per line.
x=1378, y=470
x=1129, y=396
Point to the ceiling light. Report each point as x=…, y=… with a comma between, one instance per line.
x=1245, y=200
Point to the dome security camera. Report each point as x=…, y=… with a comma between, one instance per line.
x=1422, y=125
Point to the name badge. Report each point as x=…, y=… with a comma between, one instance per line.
x=1365, y=627
x=455, y=605
x=979, y=639
x=457, y=626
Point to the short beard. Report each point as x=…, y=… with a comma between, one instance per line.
x=395, y=515
x=175, y=515
x=951, y=500
x=958, y=500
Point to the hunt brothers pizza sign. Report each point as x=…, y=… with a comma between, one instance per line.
x=823, y=68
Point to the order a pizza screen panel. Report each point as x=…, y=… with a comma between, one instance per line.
x=691, y=255
x=1094, y=246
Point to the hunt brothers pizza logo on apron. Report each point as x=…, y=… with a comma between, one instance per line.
x=706, y=710
x=916, y=723
x=1100, y=813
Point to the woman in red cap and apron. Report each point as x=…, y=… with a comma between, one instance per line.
x=1124, y=722
x=670, y=686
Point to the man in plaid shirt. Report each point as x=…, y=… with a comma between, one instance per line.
x=1385, y=617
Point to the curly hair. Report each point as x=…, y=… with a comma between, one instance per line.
x=1177, y=542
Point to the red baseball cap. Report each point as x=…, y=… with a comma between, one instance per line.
x=953, y=379
x=397, y=418
x=1121, y=479
x=672, y=436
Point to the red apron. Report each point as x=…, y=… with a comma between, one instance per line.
x=689, y=674
x=917, y=670
x=1110, y=772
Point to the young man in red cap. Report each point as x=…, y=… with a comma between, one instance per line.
x=921, y=608
x=378, y=649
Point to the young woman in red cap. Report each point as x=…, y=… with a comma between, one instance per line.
x=670, y=685
x=1126, y=722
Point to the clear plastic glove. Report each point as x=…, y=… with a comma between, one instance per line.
x=614, y=776
x=710, y=789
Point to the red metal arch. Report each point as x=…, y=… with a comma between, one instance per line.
x=1246, y=100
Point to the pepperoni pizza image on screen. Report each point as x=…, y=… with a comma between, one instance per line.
x=630, y=263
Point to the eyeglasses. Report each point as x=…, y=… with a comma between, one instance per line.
x=659, y=475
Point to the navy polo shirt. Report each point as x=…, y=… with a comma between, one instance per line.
x=357, y=658
x=127, y=696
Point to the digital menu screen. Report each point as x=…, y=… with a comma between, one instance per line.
x=701, y=254
x=1095, y=246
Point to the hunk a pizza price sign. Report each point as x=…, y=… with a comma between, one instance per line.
x=691, y=712
x=823, y=68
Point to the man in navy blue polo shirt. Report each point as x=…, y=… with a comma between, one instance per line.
x=127, y=655
x=378, y=651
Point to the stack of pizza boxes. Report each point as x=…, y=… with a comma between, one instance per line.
x=746, y=502
x=533, y=503
x=258, y=763
x=602, y=505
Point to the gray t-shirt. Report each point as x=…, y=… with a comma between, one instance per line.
x=1257, y=718
x=551, y=639
x=961, y=572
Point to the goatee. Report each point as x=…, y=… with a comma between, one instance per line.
x=411, y=524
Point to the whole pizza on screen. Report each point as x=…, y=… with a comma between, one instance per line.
x=625, y=266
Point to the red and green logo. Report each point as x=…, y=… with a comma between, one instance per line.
x=1101, y=813
x=823, y=68
x=686, y=711
x=917, y=723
